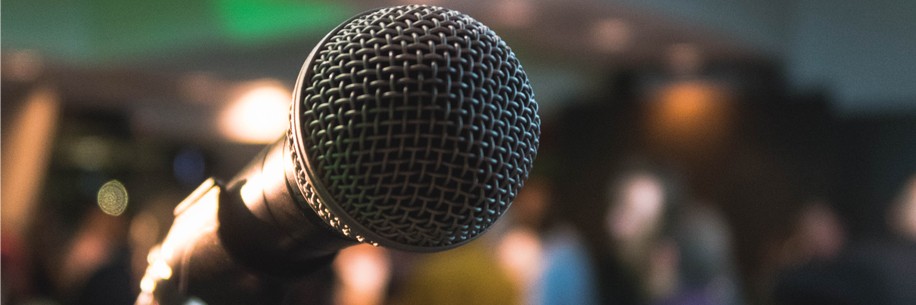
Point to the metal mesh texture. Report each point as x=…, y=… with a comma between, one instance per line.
x=420, y=126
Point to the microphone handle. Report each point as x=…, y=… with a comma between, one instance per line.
x=244, y=243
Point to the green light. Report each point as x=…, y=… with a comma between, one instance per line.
x=111, y=31
x=250, y=21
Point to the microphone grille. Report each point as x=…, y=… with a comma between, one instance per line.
x=418, y=127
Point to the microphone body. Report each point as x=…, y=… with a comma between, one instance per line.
x=245, y=242
x=411, y=127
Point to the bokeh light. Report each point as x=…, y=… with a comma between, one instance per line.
x=258, y=115
x=112, y=198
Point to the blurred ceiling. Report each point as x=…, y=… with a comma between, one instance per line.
x=171, y=59
x=173, y=32
x=169, y=62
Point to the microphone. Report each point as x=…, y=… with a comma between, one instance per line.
x=411, y=127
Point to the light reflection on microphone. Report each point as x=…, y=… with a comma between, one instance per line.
x=197, y=220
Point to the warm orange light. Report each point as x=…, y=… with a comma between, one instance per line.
x=694, y=113
x=689, y=103
x=259, y=115
x=27, y=148
x=904, y=216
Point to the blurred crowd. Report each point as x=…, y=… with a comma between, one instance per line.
x=657, y=250
x=670, y=201
x=659, y=246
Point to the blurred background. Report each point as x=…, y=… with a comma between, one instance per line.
x=693, y=152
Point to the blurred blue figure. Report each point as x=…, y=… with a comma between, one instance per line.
x=546, y=255
x=568, y=276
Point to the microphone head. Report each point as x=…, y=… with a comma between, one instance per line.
x=413, y=127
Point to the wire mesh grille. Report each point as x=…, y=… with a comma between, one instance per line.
x=420, y=124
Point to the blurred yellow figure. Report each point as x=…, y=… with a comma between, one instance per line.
x=466, y=275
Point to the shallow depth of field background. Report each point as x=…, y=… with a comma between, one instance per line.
x=693, y=152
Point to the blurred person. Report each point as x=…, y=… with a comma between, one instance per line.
x=642, y=266
x=878, y=270
x=808, y=260
x=818, y=235
x=704, y=262
x=568, y=273
x=670, y=252
x=469, y=274
x=545, y=253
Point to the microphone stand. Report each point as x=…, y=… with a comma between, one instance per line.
x=246, y=242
